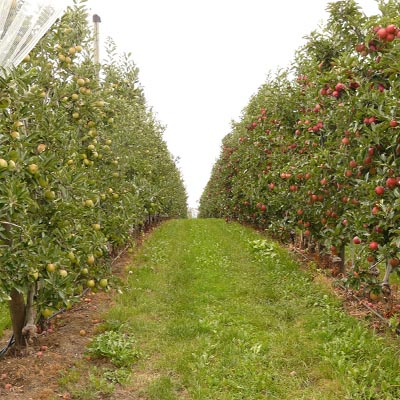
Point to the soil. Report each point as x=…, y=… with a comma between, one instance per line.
x=34, y=373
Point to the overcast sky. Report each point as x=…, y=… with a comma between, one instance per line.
x=200, y=62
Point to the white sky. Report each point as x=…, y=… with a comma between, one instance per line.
x=200, y=62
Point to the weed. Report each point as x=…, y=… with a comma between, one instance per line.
x=118, y=347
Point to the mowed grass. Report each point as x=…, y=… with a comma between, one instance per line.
x=218, y=312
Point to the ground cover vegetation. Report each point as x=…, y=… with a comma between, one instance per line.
x=217, y=311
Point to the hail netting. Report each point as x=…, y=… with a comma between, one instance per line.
x=22, y=24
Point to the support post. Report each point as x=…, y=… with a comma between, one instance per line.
x=96, y=22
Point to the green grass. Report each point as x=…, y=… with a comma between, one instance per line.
x=4, y=318
x=217, y=312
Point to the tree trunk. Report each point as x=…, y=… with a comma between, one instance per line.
x=17, y=313
x=30, y=331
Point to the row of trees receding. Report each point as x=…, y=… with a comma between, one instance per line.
x=317, y=156
x=83, y=166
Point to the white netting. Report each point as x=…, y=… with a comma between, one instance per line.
x=22, y=24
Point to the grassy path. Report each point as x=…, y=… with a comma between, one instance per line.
x=218, y=313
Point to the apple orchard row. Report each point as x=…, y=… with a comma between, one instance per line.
x=83, y=167
x=318, y=156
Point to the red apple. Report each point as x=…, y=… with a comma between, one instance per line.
x=375, y=210
x=340, y=86
x=391, y=29
x=353, y=164
x=394, y=262
x=379, y=190
x=391, y=183
x=356, y=240
x=382, y=33
x=374, y=246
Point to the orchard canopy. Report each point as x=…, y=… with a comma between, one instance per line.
x=317, y=151
x=83, y=166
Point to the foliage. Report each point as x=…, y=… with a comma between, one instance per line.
x=317, y=149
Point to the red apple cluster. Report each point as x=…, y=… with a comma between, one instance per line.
x=387, y=34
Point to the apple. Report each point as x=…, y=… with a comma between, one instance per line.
x=89, y=203
x=382, y=33
x=353, y=164
x=33, y=169
x=356, y=240
x=391, y=29
x=379, y=190
x=3, y=163
x=15, y=135
x=90, y=283
x=47, y=313
x=103, y=283
x=49, y=194
x=90, y=260
x=11, y=165
x=374, y=246
x=394, y=262
x=393, y=123
x=391, y=183
x=63, y=273
x=41, y=148
x=96, y=227
x=50, y=267
x=346, y=141
x=375, y=210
